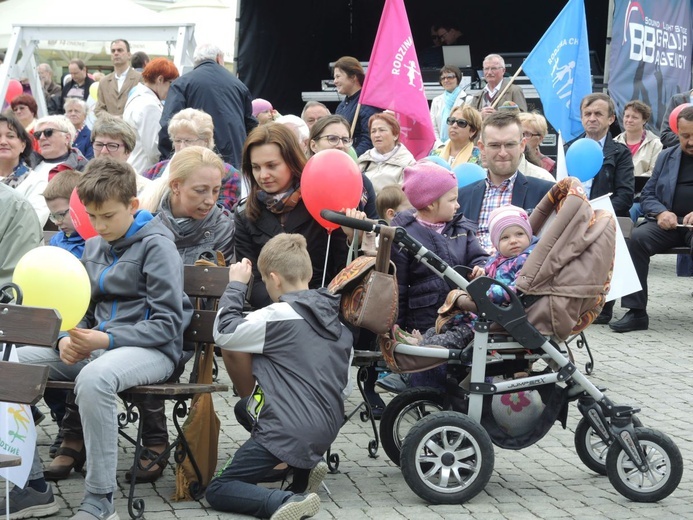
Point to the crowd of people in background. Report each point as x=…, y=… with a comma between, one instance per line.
x=199, y=165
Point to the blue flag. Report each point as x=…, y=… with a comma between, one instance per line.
x=559, y=68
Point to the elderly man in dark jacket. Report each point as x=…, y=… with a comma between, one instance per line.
x=213, y=89
x=617, y=175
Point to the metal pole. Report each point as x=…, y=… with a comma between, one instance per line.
x=607, y=52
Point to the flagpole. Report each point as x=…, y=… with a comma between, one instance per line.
x=495, y=101
x=356, y=118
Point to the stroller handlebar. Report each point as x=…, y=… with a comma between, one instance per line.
x=354, y=223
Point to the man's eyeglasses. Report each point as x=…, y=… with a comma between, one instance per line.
x=186, y=142
x=462, y=123
x=335, y=139
x=448, y=76
x=529, y=135
x=112, y=147
x=48, y=132
x=496, y=147
x=57, y=218
x=492, y=69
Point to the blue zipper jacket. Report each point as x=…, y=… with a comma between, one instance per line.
x=137, y=293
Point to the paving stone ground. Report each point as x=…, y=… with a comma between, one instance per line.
x=651, y=369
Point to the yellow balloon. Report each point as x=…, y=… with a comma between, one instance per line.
x=54, y=278
x=94, y=91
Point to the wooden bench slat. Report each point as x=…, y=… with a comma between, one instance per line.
x=22, y=383
x=177, y=389
x=204, y=281
x=29, y=325
x=9, y=461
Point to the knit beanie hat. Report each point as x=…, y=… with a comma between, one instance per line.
x=504, y=217
x=425, y=182
x=261, y=105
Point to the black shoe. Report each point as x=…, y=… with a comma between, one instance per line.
x=633, y=320
x=38, y=415
x=606, y=314
x=57, y=442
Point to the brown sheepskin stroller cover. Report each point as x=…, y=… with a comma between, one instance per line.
x=572, y=263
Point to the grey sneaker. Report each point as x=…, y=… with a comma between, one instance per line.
x=94, y=507
x=394, y=383
x=316, y=476
x=298, y=507
x=29, y=503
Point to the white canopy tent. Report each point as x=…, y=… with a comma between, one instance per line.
x=25, y=39
x=72, y=13
x=216, y=22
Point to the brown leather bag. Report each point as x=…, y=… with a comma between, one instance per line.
x=368, y=286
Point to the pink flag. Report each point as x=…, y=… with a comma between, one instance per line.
x=393, y=80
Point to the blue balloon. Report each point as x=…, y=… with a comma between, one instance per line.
x=439, y=161
x=584, y=159
x=467, y=173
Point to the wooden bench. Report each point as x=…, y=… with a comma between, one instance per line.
x=204, y=285
x=24, y=384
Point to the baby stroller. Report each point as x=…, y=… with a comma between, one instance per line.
x=447, y=456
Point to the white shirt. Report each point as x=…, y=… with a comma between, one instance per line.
x=121, y=79
x=143, y=111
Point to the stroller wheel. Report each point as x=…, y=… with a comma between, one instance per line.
x=590, y=447
x=447, y=458
x=403, y=412
x=665, y=467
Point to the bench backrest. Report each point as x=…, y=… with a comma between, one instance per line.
x=25, y=326
x=204, y=285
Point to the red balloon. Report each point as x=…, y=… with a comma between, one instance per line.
x=79, y=216
x=330, y=180
x=673, y=117
x=14, y=88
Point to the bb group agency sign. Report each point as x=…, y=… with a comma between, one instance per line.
x=656, y=41
x=650, y=53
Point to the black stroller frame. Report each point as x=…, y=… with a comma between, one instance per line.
x=447, y=457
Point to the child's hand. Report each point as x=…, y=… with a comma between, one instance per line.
x=241, y=271
x=477, y=271
x=353, y=213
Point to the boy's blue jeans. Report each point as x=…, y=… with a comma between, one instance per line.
x=235, y=489
x=98, y=381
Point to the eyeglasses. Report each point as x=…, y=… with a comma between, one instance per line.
x=529, y=135
x=492, y=69
x=48, y=132
x=462, y=123
x=496, y=147
x=186, y=142
x=112, y=147
x=334, y=140
x=448, y=76
x=57, y=218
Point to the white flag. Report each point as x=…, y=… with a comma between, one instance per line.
x=17, y=437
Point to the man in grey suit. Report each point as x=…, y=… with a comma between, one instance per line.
x=114, y=88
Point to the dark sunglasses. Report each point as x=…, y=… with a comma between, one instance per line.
x=48, y=132
x=462, y=123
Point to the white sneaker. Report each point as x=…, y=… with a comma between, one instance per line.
x=316, y=476
x=298, y=507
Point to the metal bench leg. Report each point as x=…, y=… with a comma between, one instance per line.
x=367, y=414
x=581, y=341
x=182, y=448
x=130, y=416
